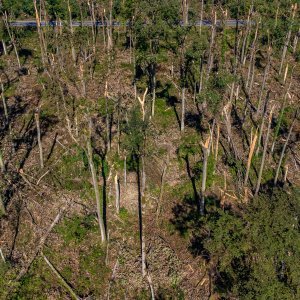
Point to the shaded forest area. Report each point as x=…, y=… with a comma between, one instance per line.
x=156, y=160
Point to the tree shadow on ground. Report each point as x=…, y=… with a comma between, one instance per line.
x=171, y=100
x=194, y=121
x=188, y=221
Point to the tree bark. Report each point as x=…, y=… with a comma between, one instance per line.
x=63, y=281
x=117, y=191
x=38, y=128
x=264, y=154
x=283, y=151
x=182, y=109
x=252, y=147
x=97, y=193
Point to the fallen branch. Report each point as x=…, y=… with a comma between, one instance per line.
x=42, y=241
x=65, y=284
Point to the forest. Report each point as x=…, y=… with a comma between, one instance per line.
x=150, y=149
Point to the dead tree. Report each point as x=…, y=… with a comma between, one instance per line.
x=262, y=164
x=61, y=279
x=251, y=151
x=72, y=32
x=99, y=203
x=185, y=12
x=288, y=38
x=4, y=101
x=283, y=150
x=117, y=191
x=212, y=44
x=142, y=103
x=42, y=240
x=38, y=129
x=12, y=39
x=40, y=33
x=205, y=149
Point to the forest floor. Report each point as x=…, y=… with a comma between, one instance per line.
x=74, y=246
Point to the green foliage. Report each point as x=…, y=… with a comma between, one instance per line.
x=76, y=229
x=93, y=271
x=256, y=253
x=189, y=145
x=214, y=91
x=135, y=132
x=164, y=114
x=73, y=169
x=18, y=8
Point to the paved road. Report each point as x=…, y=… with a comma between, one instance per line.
x=32, y=23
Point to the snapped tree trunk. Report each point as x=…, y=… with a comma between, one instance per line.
x=262, y=164
x=38, y=128
x=12, y=39
x=182, y=109
x=72, y=32
x=4, y=47
x=205, y=149
x=2, y=207
x=283, y=152
x=288, y=38
x=252, y=147
x=97, y=193
x=117, y=191
x=61, y=279
x=4, y=102
x=140, y=212
x=40, y=33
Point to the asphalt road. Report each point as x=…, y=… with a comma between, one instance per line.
x=32, y=23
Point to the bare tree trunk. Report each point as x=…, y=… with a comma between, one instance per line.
x=2, y=165
x=185, y=12
x=201, y=16
x=212, y=43
x=125, y=174
x=266, y=74
x=182, y=109
x=261, y=128
x=251, y=67
x=245, y=41
x=140, y=211
x=283, y=151
x=42, y=241
x=4, y=47
x=143, y=177
x=12, y=38
x=162, y=182
x=142, y=103
x=107, y=118
x=288, y=38
x=40, y=33
x=117, y=190
x=205, y=149
x=252, y=147
x=72, y=32
x=57, y=274
x=277, y=128
x=153, y=92
x=295, y=43
x=38, y=128
x=4, y=102
x=97, y=193
x=262, y=164
x=2, y=208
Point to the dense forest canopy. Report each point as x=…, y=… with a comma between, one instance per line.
x=149, y=149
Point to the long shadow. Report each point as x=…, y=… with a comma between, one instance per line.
x=194, y=121
x=170, y=100
x=193, y=181
x=188, y=222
